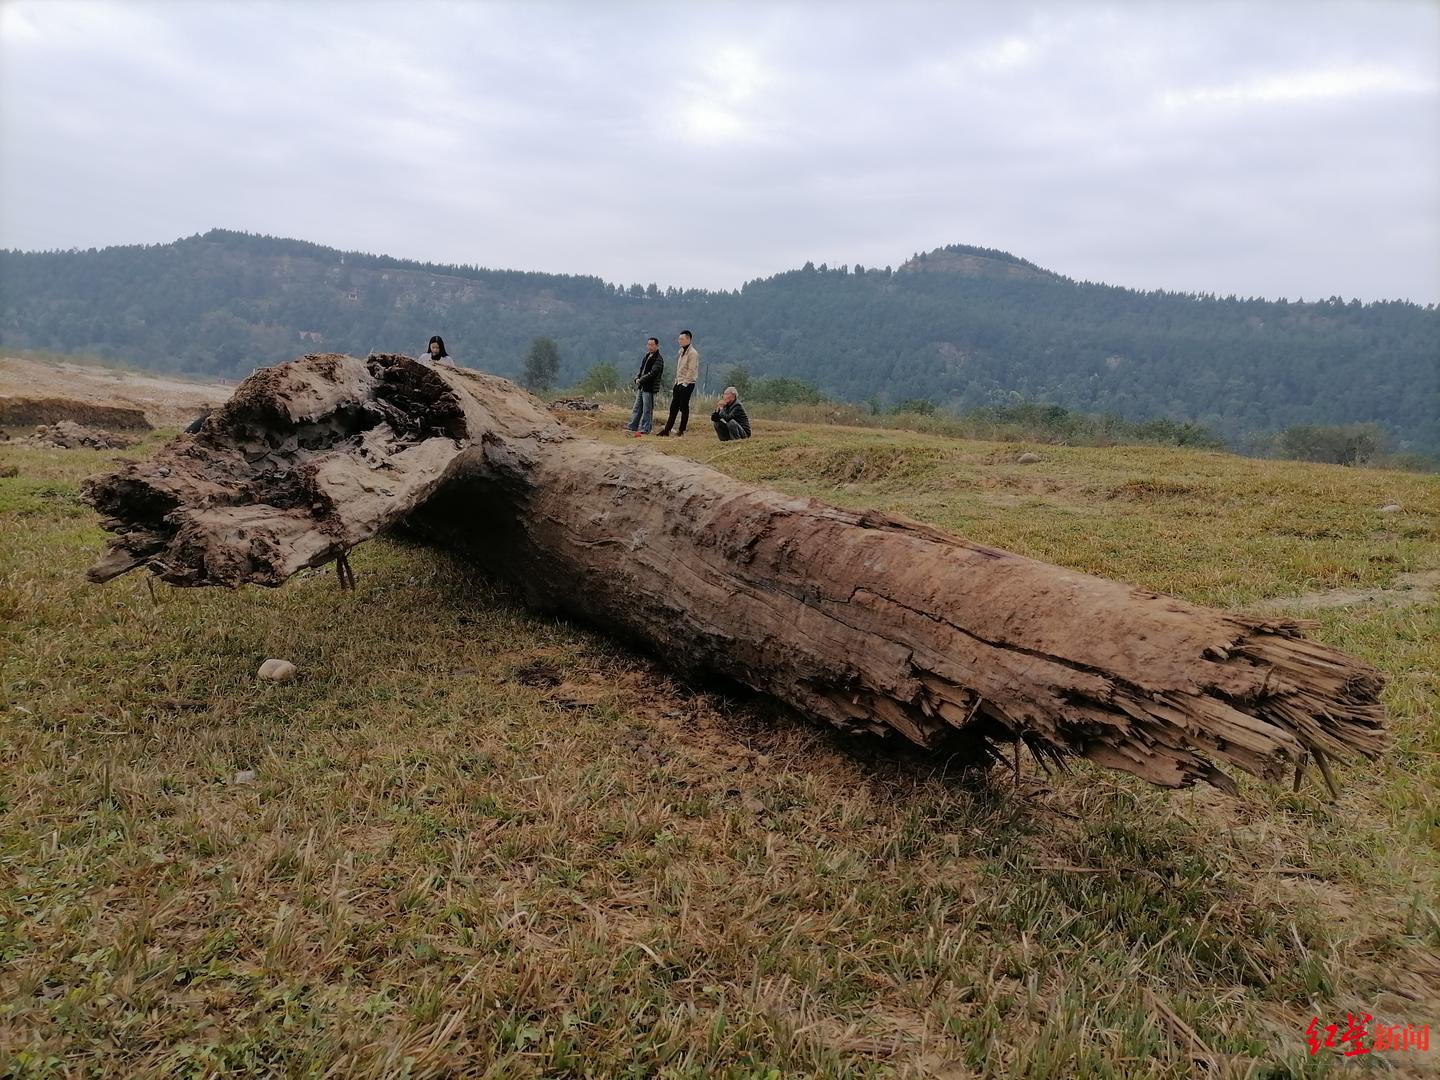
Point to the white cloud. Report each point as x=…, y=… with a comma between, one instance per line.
x=970, y=66
x=1011, y=52
x=17, y=25
x=1218, y=146
x=707, y=123
x=1327, y=84
x=719, y=96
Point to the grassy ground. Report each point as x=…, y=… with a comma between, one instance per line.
x=477, y=842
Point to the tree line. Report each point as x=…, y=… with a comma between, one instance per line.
x=998, y=331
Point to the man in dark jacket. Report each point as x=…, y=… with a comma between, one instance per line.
x=729, y=417
x=647, y=383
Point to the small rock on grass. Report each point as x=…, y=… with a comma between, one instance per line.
x=1391, y=508
x=246, y=776
x=1028, y=458
x=277, y=671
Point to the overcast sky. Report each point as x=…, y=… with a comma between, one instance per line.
x=1276, y=149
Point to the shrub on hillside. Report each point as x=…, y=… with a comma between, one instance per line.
x=602, y=378
x=920, y=406
x=1334, y=444
x=739, y=377
x=542, y=364
x=782, y=391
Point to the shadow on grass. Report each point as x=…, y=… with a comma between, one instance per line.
x=891, y=766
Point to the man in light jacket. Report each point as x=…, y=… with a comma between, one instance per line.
x=687, y=374
x=729, y=417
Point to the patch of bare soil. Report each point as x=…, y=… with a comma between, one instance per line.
x=1408, y=590
x=164, y=402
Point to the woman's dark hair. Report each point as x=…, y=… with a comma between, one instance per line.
x=437, y=339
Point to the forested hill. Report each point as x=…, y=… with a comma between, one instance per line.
x=961, y=326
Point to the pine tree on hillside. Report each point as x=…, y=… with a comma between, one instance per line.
x=542, y=364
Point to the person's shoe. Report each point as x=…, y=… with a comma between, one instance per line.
x=638, y=435
x=662, y=434
x=679, y=434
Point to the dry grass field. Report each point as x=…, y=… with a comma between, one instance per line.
x=469, y=841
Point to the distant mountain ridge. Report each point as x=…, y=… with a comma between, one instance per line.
x=977, y=262
x=960, y=325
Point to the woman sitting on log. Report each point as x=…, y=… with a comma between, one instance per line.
x=729, y=416
x=435, y=352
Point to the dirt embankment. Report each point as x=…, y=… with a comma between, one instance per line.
x=34, y=392
x=29, y=412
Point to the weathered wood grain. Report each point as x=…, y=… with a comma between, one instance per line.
x=862, y=619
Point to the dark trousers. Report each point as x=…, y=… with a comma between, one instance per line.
x=679, y=403
x=729, y=429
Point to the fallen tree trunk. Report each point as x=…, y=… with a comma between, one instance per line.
x=862, y=619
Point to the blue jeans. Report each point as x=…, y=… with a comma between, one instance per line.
x=644, y=414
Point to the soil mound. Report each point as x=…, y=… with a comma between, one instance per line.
x=69, y=435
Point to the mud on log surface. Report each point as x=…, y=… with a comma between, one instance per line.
x=862, y=619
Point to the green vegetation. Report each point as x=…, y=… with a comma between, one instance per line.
x=480, y=841
x=921, y=407
x=962, y=327
x=542, y=364
x=1009, y=423
x=1054, y=424
x=602, y=378
x=776, y=390
x=1351, y=444
x=739, y=378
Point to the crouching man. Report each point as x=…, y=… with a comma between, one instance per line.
x=729, y=417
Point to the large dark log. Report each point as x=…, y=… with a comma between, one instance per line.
x=859, y=618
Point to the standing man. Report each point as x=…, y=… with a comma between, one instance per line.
x=647, y=382
x=687, y=374
x=729, y=417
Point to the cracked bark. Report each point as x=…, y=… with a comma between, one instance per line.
x=865, y=620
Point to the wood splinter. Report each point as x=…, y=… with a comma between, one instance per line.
x=344, y=573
